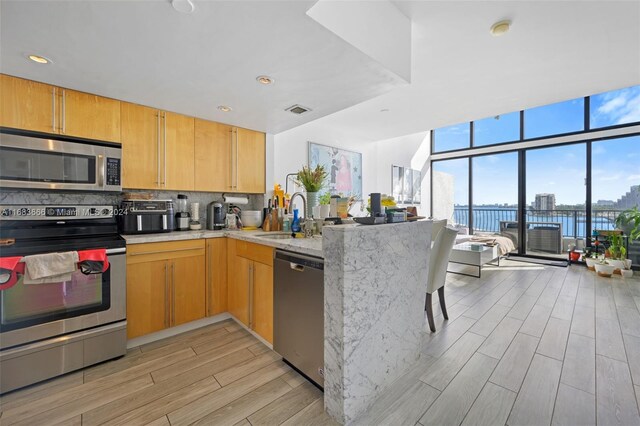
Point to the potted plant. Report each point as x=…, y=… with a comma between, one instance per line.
x=312, y=180
x=617, y=252
x=629, y=222
x=604, y=269
x=325, y=201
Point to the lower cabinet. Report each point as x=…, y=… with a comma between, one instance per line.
x=165, y=285
x=216, y=276
x=250, y=286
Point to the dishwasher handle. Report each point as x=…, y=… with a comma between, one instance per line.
x=296, y=267
x=299, y=262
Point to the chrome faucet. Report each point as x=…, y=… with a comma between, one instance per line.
x=304, y=203
x=307, y=225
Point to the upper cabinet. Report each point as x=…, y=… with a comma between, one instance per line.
x=213, y=147
x=89, y=116
x=229, y=159
x=26, y=104
x=41, y=107
x=250, y=161
x=157, y=149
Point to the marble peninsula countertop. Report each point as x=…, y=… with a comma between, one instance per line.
x=309, y=246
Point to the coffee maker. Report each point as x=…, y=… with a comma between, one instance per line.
x=182, y=213
x=215, y=216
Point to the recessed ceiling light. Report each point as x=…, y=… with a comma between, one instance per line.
x=39, y=59
x=224, y=108
x=500, y=28
x=264, y=79
x=183, y=6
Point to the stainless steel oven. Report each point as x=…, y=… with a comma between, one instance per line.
x=39, y=163
x=47, y=329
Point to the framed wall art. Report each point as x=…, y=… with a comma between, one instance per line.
x=343, y=167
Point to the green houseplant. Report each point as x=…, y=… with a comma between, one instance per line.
x=629, y=221
x=312, y=180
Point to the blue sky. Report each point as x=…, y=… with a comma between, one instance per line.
x=559, y=170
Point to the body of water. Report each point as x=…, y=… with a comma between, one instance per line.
x=573, y=222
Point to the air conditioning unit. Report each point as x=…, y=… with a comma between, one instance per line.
x=545, y=238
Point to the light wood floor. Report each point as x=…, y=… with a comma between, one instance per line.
x=525, y=344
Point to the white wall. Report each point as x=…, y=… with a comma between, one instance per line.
x=291, y=153
x=407, y=151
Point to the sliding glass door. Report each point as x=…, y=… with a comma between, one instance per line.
x=495, y=195
x=555, y=214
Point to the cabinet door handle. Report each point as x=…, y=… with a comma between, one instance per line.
x=231, y=158
x=53, y=109
x=164, y=133
x=251, y=296
x=236, y=187
x=158, y=146
x=173, y=293
x=209, y=273
x=166, y=295
x=64, y=110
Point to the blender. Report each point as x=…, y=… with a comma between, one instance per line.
x=182, y=213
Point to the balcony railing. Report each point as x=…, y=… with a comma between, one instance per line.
x=573, y=221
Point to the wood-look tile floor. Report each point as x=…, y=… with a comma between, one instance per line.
x=525, y=344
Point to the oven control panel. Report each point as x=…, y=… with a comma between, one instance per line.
x=48, y=212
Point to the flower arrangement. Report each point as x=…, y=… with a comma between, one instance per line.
x=312, y=180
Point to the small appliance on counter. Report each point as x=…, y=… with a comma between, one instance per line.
x=215, y=216
x=145, y=216
x=182, y=213
x=194, y=224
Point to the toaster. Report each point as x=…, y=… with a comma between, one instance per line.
x=145, y=216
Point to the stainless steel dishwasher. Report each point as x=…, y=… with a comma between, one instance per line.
x=298, y=312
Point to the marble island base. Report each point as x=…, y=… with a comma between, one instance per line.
x=375, y=282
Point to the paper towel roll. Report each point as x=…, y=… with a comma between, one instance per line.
x=236, y=200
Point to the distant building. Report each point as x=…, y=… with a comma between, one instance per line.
x=605, y=203
x=545, y=202
x=630, y=199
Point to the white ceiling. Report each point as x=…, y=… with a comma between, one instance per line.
x=555, y=51
x=145, y=52
x=148, y=53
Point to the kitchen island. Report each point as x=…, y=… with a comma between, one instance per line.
x=374, y=288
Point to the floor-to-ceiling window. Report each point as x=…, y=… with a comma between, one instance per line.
x=555, y=196
x=615, y=187
x=533, y=165
x=495, y=210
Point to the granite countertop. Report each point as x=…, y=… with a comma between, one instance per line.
x=309, y=246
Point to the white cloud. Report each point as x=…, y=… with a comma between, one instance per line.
x=633, y=177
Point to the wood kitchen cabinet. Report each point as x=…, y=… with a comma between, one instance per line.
x=250, y=286
x=40, y=107
x=213, y=148
x=228, y=159
x=216, y=301
x=157, y=149
x=89, y=116
x=26, y=104
x=165, y=285
x=250, y=161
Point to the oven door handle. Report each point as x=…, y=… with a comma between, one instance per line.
x=121, y=250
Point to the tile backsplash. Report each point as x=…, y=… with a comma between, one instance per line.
x=11, y=196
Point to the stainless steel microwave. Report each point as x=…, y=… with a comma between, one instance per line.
x=36, y=163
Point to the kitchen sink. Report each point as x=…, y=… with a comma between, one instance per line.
x=276, y=236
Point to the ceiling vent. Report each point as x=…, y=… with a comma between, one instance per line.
x=298, y=109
